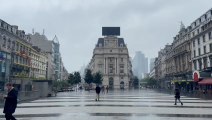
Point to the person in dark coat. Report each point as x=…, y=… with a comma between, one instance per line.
x=177, y=96
x=10, y=102
x=98, y=89
x=107, y=88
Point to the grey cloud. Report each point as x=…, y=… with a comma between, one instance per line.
x=146, y=25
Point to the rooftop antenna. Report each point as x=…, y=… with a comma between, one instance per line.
x=33, y=31
x=182, y=26
x=43, y=31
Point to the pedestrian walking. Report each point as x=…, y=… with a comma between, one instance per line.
x=177, y=96
x=107, y=88
x=10, y=102
x=103, y=89
x=98, y=89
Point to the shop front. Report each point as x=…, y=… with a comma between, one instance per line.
x=205, y=85
x=5, y=60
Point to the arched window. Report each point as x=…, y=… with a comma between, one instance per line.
x=122, y=85
x=4, y=41
x=100, y=44
x=111, y=83
x=121, y=45
x=9, y=43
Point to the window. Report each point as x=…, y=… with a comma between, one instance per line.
x=199, y=51
x=204, y=47
x=211, y=47
x=9, y=44
x=209, y=36
x=17, y=59
x=111, y=71
x=210, y=58
x=194, y=53
x=110, y=68
x=195, y=64
x=121, y=71
x=205, y=62
x=110, y=59
x=2, y=24
x=21, y=48
x=194, y=43
x=4, y=41
x=17, y=47
x=121, y=65
x=100, y=65
x=193, y=34
x=203, y=38
x=13, y=45
x=200, y=64
x=198, y=40
x=100, y=44
x=121, y=45
x=197, y=31
x=122, y=60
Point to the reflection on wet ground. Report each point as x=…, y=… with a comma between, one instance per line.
x=117, y=105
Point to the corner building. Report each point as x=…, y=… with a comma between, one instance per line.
x=111, y=58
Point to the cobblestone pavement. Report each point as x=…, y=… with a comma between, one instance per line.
x=115, y=105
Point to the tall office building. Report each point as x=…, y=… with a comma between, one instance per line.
x=140, y=65
x=111, y=58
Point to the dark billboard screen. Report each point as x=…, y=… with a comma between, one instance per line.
x=110, y=31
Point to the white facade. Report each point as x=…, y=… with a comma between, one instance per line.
x=201, y=39
x=111, y=58
x=38, y=64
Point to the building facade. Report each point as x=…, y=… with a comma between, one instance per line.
x=190, y=51
x=111, y=58
x=201, y=39
x=15, y=45
x=38, y=70
x=52, y=49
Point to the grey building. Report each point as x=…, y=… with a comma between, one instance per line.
x=140, y=64
x=52, y=48
x=111, y=58
x=14, y=56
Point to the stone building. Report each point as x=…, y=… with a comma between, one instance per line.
x=201, y=38
x=190, y=51
x=178, y=59
x=111, y=58
x=38, y=64
x=160, y=65
x=15, y=47
x=52, y=49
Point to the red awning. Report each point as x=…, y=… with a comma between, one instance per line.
x=206, y=81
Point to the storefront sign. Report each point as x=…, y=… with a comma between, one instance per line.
x=196, y=76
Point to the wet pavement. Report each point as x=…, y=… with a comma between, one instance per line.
x=116, y=105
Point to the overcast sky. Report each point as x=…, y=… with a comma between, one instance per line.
x=146, y=25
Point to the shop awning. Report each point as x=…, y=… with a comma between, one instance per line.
x=206, y=81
